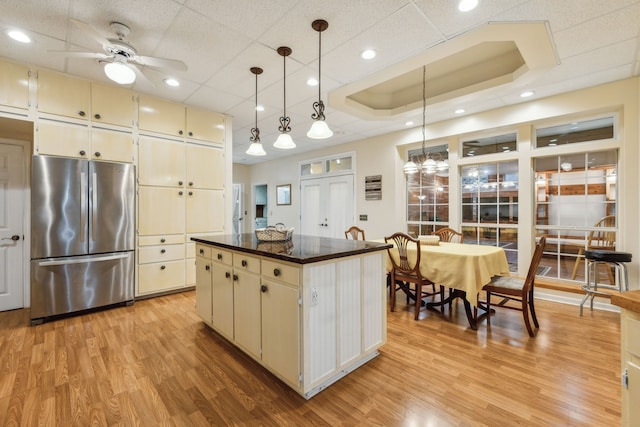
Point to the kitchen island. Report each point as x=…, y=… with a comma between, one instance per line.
x=310, y=310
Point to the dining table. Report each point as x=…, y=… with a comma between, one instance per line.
x=463, y=268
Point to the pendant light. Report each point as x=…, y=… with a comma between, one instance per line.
x=284, y=141
x=319, y=128
x=255, y=149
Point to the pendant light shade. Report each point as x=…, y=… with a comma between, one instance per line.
x=319, y=128
x=284, y=141
x=256, y=149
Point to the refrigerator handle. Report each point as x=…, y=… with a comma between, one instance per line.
x=83, y=205
x=94, y=203
x=83, y=260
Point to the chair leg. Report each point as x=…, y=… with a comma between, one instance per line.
x=525, y=314
x=393, y=292
x=532, y=308
x=418, y=300
x=488, y=308
x=441, y=299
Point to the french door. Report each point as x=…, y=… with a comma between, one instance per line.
x=327, y=206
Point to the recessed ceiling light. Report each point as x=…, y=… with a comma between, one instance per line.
x=526, y=94
x=459, y=111
x=19, y=36
x=368, y=54
x=171, y=82
x=467, y=5
x=259, y=108
x=408, y=123
x=312, y=81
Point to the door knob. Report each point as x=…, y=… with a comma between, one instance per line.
x=15, y=238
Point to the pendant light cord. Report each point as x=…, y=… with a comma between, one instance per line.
x=424, y=106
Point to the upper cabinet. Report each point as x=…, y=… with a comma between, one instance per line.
x=14, y=81
x=158, y=115
x=205, y=125
x=111, y=105
x=70, y=97
x=63, y=95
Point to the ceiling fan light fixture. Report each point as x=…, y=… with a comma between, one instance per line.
x=120, y=72
x=319, y=128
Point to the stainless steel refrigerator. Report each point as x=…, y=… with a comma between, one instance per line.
x=82, y=235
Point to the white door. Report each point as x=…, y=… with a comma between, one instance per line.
x=327, y=206
x=238, y=209
x=11, y=224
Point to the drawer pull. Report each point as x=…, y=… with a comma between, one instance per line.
x=81, y=113
x=163, y=251
x=97, y=116
x=227, y=274
x=235, y=277
x=180, y=193
x=220, y=256
x=180, y=132
x=82, y=152
x=201, y=251
x=163, y=240
x=97, y=154
x=263, y=288
x=191, y=193
x=162, y=267
x=207, y=267
x=190, y=183
x=244, y=262
x=276, y=272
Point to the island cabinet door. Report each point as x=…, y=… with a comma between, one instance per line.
x=246, y=309
x=280, y=332
x=223, y=298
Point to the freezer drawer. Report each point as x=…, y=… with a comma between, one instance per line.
x=65, y=285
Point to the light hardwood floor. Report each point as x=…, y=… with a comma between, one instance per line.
x=155, y=363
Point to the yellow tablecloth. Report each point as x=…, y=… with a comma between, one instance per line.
x=459, y=265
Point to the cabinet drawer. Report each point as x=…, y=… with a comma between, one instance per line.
x=280, y=271
x=203, y=251
x=219, y=255
x=160, y=253
x=161, y=276
x=245, y=262
x=159, y=240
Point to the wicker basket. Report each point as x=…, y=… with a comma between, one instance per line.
x=274, y=234
x=276, y=247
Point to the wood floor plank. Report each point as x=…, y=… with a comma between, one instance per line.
x=155, y=363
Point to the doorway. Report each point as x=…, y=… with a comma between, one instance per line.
x=261, y=205
x=238, y=209
x=12, y=226
x=327, y=206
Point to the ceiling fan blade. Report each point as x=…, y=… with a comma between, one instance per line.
x=90, y=55
x=163, y=63
x=140, y=76
x=89, y=30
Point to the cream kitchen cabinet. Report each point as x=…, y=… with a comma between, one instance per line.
x=205, y=211
x=14, y=81
x=222, y=291
x=160, y=263
x=63, y=95
x=204, y=289
x=205, y=167
x=162, y=116
x=161, y=210
x=161, y=162
x=111, y=145
x=112, y=105
x=204, y=125
x=62, y=139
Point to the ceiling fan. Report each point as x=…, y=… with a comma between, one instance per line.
x=120, y=58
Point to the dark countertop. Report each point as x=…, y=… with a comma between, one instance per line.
x=300, y=249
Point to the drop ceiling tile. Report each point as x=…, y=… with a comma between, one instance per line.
x=20, y=14
x=212, y=99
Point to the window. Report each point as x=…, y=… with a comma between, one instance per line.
x=490, y=206
x=340, y=164
x=490, y=145
x=574, y=132
x=575, y=208
x=428, y=192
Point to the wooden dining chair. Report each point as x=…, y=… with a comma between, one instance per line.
x=600, y=240
x=406, y=271
x=518, y=290
x=354, y=233
x=448, y=235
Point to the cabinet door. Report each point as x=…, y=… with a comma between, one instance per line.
x=205, y=211
x=158, y=277
x=205, y=125
x=161, y=162
x=161, y=211
x=112, y=105
x=111, y=145
x=223, y=299
x=246, y=312
x=157, y=115
x=14, y=81
x=280, y=334
x=203, y=289
x=62, y=139
x=63, y=95
x=190, y=271
x=205, y=167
